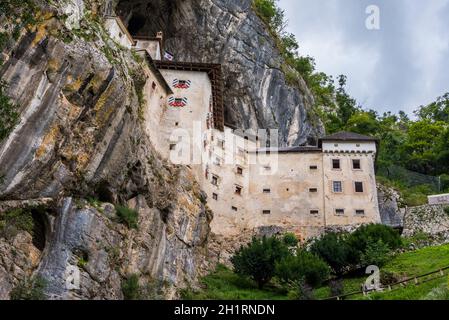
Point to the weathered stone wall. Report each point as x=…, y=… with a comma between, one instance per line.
x=432, y=220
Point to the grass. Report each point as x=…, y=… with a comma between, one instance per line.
x=223, y=284
x=127, y=216
x=406, y=265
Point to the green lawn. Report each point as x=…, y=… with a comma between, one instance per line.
x=224, y=284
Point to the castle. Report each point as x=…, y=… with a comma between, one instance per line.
x=303, y=189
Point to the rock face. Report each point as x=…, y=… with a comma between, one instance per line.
x=80, y=136
x=390, y=206
x=428, y=223
x=230, y=33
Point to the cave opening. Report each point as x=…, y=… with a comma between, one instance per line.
x=39, y=229
x=136, y=23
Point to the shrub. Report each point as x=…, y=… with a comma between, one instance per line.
x=128, y=216
x=258, y=259
x=8, y=114
x=15, y=220
x=29, y=289
x=376, y=253
x=334, y=249
x=131, y=288
x=301, y=291
x=360, y=239
x=290, y=240
x=446, y=210
x=304, y=265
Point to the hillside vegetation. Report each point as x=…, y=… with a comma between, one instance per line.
x=224, y=284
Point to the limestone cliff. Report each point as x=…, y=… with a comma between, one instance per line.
x=80, y=135
x=229, y=32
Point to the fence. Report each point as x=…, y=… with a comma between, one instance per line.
x=409, y=178
x=399, y=285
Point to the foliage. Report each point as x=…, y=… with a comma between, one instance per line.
x=257, y=260
x=335, y=250
x=29, y=289
x=301, y=290
x=223, y=284
x=131, y=288
x=8, y=114
x=15, y=220
x=127, y=216
x=303, y=266
x=376, y=253
x=366, y=234
x=290, y=240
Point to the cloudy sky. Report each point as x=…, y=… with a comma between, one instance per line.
x=399, y=67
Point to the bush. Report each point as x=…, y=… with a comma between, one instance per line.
x=29, y=289
x=375, y=253
x=131, y=288
x=360, y=239
x=446, y=210
x=8, y=114
x=336, y=287
x=334, y=249
x=258, y=259
x=301, y=291
x=128, y=216
x=304, y=265
x=15, y=220
x=290, y=240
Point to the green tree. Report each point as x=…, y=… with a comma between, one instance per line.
x=335, y=250
x=304, y=265
x=258, y=259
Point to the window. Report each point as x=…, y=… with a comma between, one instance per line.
x=314, y=212
x=266, y=212
x=176, y=124
x=153, y=85
x=336, y=164
x=238, y=190
x=358, y=145
x=267, y=168
x=215, y=180
x=313, y=167
x=266, y=190
x=339, y=212
x=313, y=190
x=215, y=196
x=234, y=209
x=337, y=186
x=360, y=212
x=359, y=187
x=356, y=164
x=240, y=171
x=172, y=146
x=336, y=145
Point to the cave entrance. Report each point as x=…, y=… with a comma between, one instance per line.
x=136, y=23
x=39, y=228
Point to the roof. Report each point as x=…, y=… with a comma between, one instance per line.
x=155, y=70
x=146, y=38
x=216, y=78
x=246, y=134
x=348, y=136
x=298, y=149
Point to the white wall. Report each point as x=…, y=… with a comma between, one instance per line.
x=118, y=34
